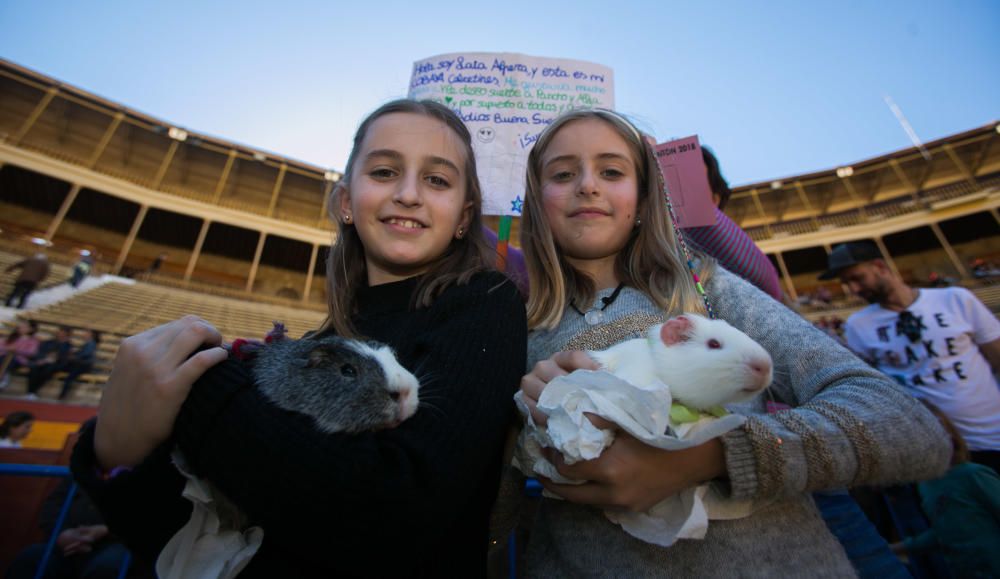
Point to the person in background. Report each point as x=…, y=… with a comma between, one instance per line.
x=53, y=355
x=82, y=269
x=15, y=428
x=18, y=349
x=84, y=548
x=80, y=360
x=943, y=345
x=964, y=510
x=727, y=242
x=34, y=270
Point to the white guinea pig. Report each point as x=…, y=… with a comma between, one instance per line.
x=705, y=362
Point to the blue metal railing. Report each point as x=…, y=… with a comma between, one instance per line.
x=50, y=544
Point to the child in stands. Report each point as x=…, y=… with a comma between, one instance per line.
x=409, y=268
x=598, y=238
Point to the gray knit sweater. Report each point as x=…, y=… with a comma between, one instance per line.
x=850, y=425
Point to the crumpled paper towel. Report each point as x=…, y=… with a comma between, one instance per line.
x=213, y=544
x=643, y=412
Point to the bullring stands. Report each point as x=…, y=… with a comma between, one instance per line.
x=121, y=308
x=129, y=308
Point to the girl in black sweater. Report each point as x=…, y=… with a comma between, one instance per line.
x=410, y=269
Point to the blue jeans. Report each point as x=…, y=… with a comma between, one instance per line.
x=867, y=550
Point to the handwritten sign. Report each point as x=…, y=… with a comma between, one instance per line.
x=684, y=170
x=506, y=100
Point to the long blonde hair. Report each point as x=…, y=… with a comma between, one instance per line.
x=345, y=266
x=651, y=260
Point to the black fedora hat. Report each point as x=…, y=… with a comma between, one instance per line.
x=847, y=254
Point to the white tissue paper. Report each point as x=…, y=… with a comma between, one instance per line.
x=643, y=412
x=213, y=544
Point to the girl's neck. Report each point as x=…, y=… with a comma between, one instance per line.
x=601, y=270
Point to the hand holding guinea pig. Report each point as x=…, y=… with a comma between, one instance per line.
x=152, y=374
x=343, y=385
x=704, y=362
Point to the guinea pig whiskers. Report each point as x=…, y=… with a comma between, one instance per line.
x=424, y=404
x=425, y=379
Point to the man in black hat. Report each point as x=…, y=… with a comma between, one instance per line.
x=943, y=344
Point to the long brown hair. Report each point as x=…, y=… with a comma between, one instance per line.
x=345, y=266
x=651, y=261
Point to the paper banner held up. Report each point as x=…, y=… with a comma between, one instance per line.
x=506, y=100
x=684, y=170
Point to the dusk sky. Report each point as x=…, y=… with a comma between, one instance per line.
x=776, y=88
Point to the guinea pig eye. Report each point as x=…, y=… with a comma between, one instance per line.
x=349, y=370
x=713, y=344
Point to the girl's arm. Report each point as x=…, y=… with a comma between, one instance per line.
x=327, y=499
x=150, y=379
x=850, y=425
x=141, y=505
x=734, y=249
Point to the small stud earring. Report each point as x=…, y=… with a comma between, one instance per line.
x=461, y=232
x=638, y=222
x=347, y=218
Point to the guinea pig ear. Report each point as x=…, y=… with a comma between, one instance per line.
x=675, y=330
x=319, y=356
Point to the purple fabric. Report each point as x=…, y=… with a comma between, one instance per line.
x=516, y=270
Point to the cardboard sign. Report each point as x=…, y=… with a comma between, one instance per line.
x=506, y=99
x=687, y=181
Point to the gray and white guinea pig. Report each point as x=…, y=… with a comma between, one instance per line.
x=704, y=362
x=345, y=385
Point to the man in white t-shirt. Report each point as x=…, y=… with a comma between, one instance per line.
x=943, y=345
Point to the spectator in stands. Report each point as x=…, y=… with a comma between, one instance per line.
x=82, y=269
x=34, y=270
x=156, y=264
x=727, y=242
x=81, y=360
x=18, y=349
x=964, y=511
x=15, y=428
x=982, y=269
x=84, y=548
x=943, y=345
x=409, y=268
x=53, y=355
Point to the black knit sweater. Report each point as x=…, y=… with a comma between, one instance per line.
x=412, y=501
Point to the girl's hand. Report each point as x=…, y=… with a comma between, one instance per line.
x=149, y=381
x=634, y=476
x=559, y=364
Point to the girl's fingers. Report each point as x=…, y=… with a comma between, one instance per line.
x=575, y=360
x=586, y=493
x=191, y=333
x=198, y=364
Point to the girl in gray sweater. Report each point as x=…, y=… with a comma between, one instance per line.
x=604, y=264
